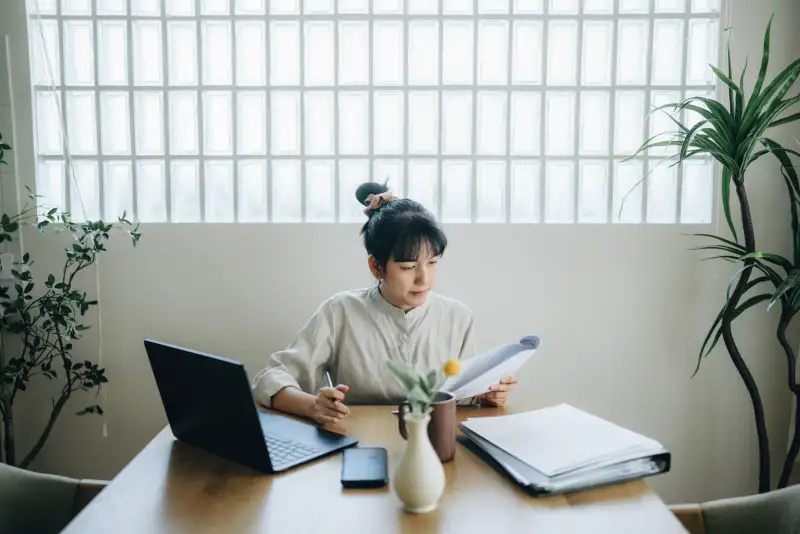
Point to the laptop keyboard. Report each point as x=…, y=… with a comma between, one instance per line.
x=284, y=452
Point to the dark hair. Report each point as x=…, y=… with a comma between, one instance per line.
x=398, y=229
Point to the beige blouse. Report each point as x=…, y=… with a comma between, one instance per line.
x=353, y=335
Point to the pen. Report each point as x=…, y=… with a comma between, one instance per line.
x=328, y=376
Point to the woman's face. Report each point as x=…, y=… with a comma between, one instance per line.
x=406, y=284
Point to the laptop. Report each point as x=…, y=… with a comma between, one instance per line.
x=209, y=405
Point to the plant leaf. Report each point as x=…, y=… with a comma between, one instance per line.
x=749, y=303
x=772, y=258
x=790, y=282
x=418, y=397
x=432, y=381
x=404, y=374
x=762, y=72
x=689, y=136
x=791, y=118
x=723, y=248
x=746, y=305
x=726, y=241
x=710, y=333
x=727, y=81
x=726, y=201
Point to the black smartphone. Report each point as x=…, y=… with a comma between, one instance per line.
x=365, y=467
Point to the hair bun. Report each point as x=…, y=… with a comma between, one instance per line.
x=369, y=188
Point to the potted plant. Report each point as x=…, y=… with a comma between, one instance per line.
x=419, y=480
x=40, y=319
x=736, y=135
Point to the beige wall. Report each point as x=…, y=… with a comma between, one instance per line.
x=621, y=310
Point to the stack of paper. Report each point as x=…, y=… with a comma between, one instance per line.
x=563, y=449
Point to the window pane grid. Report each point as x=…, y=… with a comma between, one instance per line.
x=517, y=111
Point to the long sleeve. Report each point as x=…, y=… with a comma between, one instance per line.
x=303, y=363
x=468, y=350
x=468, y=346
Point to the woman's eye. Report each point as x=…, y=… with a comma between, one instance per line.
x=408, y=268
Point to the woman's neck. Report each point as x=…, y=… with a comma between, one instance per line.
x=404, y=308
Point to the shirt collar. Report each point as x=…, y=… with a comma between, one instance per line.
x=392, y=310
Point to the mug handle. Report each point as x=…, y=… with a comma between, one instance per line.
x=401, y=421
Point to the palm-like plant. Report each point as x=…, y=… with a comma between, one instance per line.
x=784, y=276
x=736, y=137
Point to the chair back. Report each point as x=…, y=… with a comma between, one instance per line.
x=774, y=512
x=34, y=502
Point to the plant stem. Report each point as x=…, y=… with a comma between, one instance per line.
x=791, y=359
x=8, y=437
x=46, y=432
x=794, y=448
x=733, y=350
x=65, y=394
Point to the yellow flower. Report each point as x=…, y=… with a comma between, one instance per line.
x=452, y=367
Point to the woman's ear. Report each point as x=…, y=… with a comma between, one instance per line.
x=375, y=267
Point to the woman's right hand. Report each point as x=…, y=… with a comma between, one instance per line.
x=329, y=405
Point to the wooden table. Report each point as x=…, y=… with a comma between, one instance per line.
x=173, y=488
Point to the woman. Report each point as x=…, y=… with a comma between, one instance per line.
x=353, y=334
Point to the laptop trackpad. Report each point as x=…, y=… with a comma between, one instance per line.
x=281, y=426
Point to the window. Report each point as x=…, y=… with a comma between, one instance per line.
x=486, y=111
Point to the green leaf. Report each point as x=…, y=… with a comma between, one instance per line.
x=404, y=373
x=727, y=81
x=762, y=73
x=740, y=101
x=689, y=136
x=791, y=281
x=772, y=258
x=418, y=397
x=791, y=118
x=732, y=244
x=730, y=76
x=793, y=188
x=753, y=282
x=710, y=333
x=749, y=303
x=783, y=156
x=726, y=201
x=432, y=380
x=722, y=248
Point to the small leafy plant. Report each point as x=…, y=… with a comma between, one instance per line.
x=40, y=320
x=421, y=387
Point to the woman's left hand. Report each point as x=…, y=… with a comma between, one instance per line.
x=498, y=396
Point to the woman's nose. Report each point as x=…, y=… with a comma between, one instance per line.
x=422, y=276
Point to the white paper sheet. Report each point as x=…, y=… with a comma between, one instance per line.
x=478, y=374
x=562, y=438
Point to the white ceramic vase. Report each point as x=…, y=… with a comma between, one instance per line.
x=419, y=479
